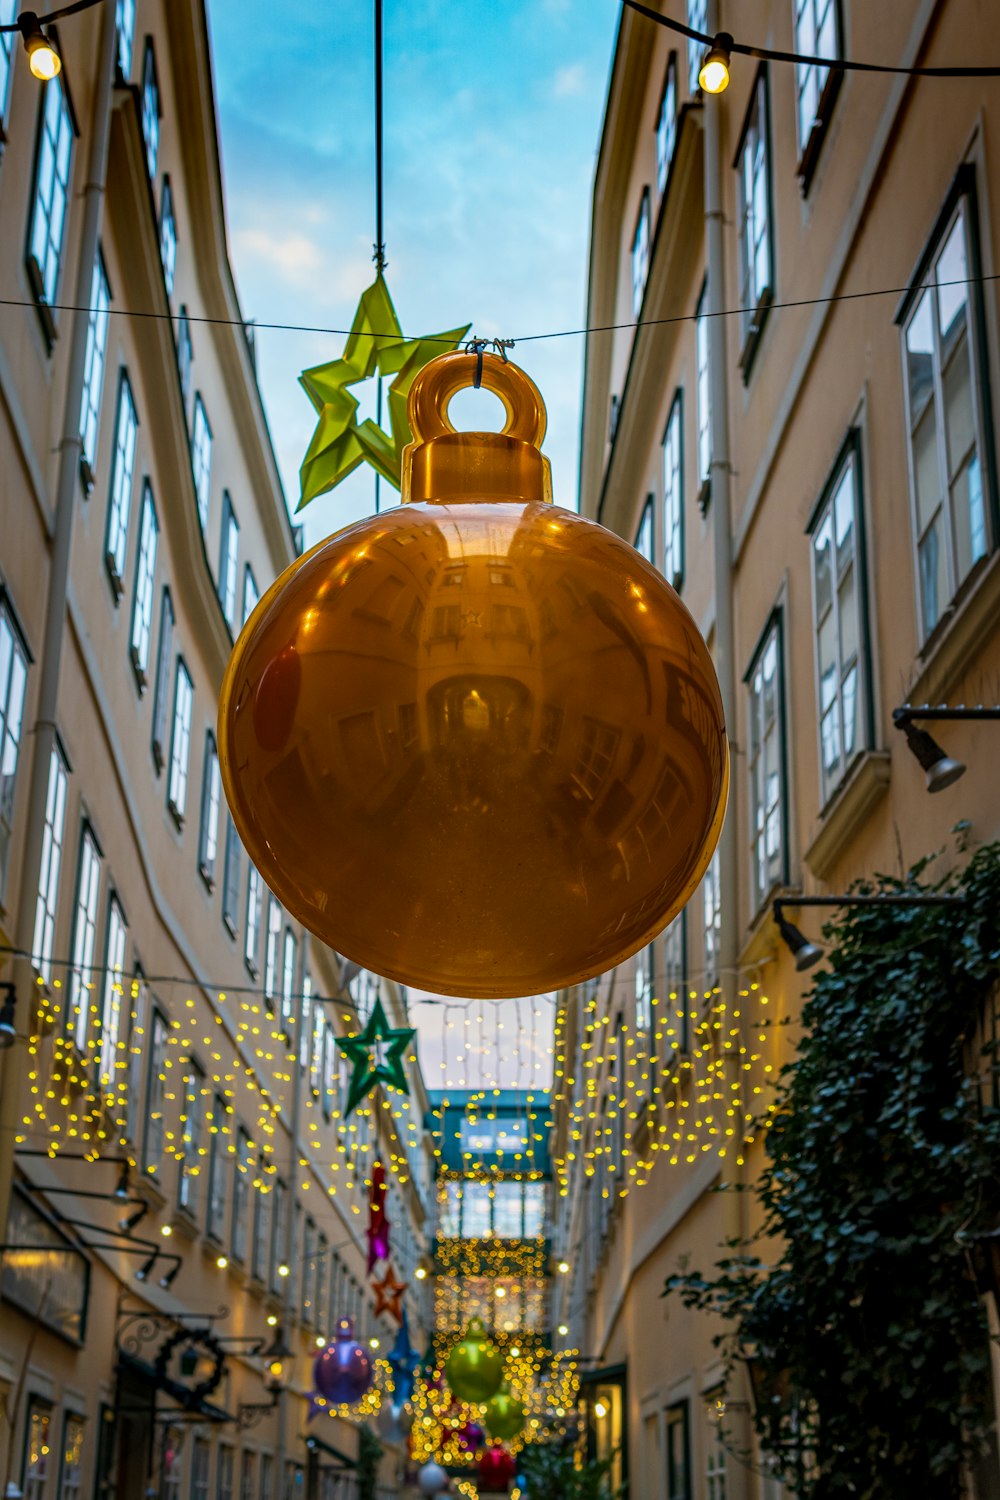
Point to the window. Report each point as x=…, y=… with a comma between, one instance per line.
x=330, y=1064
x=48, y=210
x=316, y=1048
x=666, y=125
x=306, y=1022
x=643, y=976
x=816, y=35
x=145, y=574
x=161, y=702
x=704, y=394
x=211, y=796
x=278, y=1212
x=678, y=1445
x=644, y=544
x=839, y=622
x=13, y=678
x=185, y=355
x=7, y=15
x=251, y=594
x=199, y=1470
x=766, y=763
x=261, y=1232
x=37, y=1451
x=111, y=1005
x=598, y=744
x=48, y=878
x=125, y=27
x=251, y=946
x=180, y=742
x=192, y=1132
x=248, y=1475
x=168, y=236
x=713, y=919
x=288, y=980
x=309, y=1273
x=227, y=561
x=715, y=1454
x=534, y=1210
x=88, y=885
x=156, y=1089
x=201, y=459
x=93, y=368
x=266, y=1477
x=231, y=878
x=754, y=209
x=120, y=499
x=945, y=377
x=217, y=1196
x=640, y=254
x=241, y=1194
x=697, y=19
x=224, y=1474
x=674, y=985
x=319, y=1309
x=673, y=495
x=150, y=110
x=271, y=949
x=71, y=1468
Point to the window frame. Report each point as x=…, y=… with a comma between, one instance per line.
x=229, y=546
x=156, y=1090
x=254, y=904
x=217, y=1199
x=675, y=417
x=644, y=217
x=185, y=357
x=36, y=1403
x=70, y=1485
x=37, y=273
x=144, y=590
x=753, y=319
x=810, y=146
x=81, y=966
x=774, y=626
x=150, y=76
x=962, y=196
x=675, y=987
x=211, y=810
x=19, y=654
x=646, y=518
x=711, y=880
x=849, y=455
x=161, y=693
x=111, y=1002
x=239, y=1236
x=192, y=1125
x=50, y=867
x=8, y=14
x=201, y=460
x=703, y=397
x=168, y=235
x=249, y=584
x=665, y=161
x=120, y=486
x=98, y=322
x=179, y=774
x=231, y=878
x=678, y=1414
x=124, y=63
x=698, y=20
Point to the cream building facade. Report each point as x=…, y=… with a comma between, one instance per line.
x=170, y=1064
x=801, y=436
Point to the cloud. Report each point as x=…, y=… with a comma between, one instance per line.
x=295, y=256
x=570, y=81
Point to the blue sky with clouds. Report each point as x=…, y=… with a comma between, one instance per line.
x=492, y=118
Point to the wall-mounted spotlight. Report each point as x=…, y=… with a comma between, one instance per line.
x=121, y=1186
x=713, y=75
x=127, y=1225
x=43, y=59
x=942, y=770
x=807, y=953
x=146, y=1268
x=167, y=1279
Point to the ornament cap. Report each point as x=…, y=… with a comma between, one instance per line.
x=446, y=465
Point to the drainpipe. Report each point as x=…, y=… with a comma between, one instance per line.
x=13, y=1063
x=722, y=547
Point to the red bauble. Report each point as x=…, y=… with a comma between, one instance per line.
x=496, y=1470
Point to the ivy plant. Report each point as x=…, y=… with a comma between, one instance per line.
x=860, y=1304
x=554, y=1471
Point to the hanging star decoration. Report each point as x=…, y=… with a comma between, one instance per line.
x=375, y=345
x=389, y=1295
x=377, y=1232
x=387, y=1044
x=404, y=1361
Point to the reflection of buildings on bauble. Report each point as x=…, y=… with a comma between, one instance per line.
x=502, y=742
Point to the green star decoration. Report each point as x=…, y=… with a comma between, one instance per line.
x=388, y=1066
x=375, y=345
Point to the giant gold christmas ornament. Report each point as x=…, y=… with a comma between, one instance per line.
x=504, y=1416
x=474, y=1368
x=476, y=743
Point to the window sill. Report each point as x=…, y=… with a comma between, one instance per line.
x=860, y=792
x=705, y=496
x=141, y=680
x=959, y=634
x=42, y=307
x=208, y=877
x=176, y=814
x=86, y=476
x=754, y=333
x=117, y=587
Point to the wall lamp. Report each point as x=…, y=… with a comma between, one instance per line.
x=940, y=767
x=807, y=953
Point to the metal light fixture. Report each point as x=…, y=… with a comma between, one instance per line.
x=126, y=1225
x=43, y=59
x=168, y=1277
x=941, y=769
x=145, y=1269
x=806, y=953
x=7, y=1032
x=713, y=75
x=121, y=1186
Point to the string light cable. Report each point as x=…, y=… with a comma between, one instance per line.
x=806, y=59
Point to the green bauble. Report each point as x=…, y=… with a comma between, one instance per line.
x=474, y=1368
x=504, y=1416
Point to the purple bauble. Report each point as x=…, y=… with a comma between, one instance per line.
x=472, y=1437
x=343, y=1372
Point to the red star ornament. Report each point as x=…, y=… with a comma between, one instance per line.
x=389, y=1295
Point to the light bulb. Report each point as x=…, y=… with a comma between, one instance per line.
x=43, y=59
x=713, y=75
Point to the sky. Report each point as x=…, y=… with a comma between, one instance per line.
x=492, y=120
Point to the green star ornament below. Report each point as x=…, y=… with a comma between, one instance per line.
x=375, y=345
x=388, y=1067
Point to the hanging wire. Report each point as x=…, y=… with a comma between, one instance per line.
x=772, y=54
x=54, y=15
x=379, y=256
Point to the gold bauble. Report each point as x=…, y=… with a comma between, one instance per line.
x=475, y=743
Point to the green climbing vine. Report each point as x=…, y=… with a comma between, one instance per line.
x=880, y=1199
